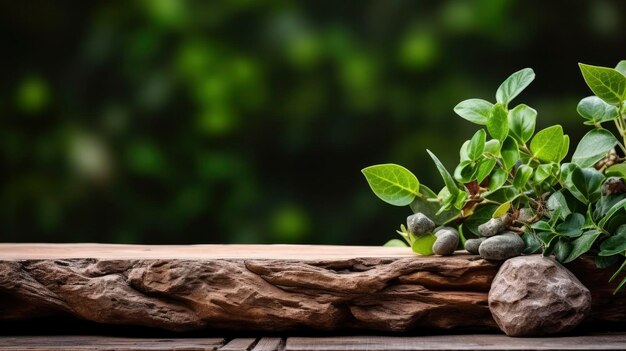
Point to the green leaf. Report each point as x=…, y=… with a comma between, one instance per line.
x=615, y=244
x=395, y=243
x=582, y=244
x=484, y=168
x=498, y=123
x=477, y=145
x=564, y=148
x=447, y=178
x=498, y=178
x=595, y=110
x=423, y=244
x=612, y=212
x=447, y=199
x=522, y=176
x=509, y=152
x=606, y=83
x=605, y=203
x=618, y=170
x=459, y=201
x=502, y=195
x=549, y=248
x=392, y=183
x=542, y=173
x=532, y=243
x=522, y=121
x=547, y=236
x=501, y=210
x=465, y=172
x=621, y=67
x=593, y=147
x=429, y=205
x=562, y=249
x=474, y=110
x=584, y=183
x=554, y=217
x=546, y=145
x=514, y=85
x=616, y=220
x=492, y=147
x=566, y=171
x=557, y=201
x=571, y=226
x=542, y=225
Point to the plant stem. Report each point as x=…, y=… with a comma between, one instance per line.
x=620, y=123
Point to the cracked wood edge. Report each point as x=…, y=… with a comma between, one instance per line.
x=181, y=294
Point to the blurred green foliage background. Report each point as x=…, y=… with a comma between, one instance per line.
x=170, y=121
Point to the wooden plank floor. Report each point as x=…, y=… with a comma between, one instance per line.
x=607, y=341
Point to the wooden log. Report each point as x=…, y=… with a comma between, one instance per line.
x=260, y=287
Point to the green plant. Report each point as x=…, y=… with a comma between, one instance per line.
x=506, y=168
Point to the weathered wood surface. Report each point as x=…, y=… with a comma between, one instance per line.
x=615, y=341
x=242, y=344
x=457, y=342
x=98, y=343
x=256, y=287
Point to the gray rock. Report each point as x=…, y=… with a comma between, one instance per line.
x=535, y=295
x=419, y=223
x=492, y=227
x=501, y=247
x=472, y=245
x=447, y=241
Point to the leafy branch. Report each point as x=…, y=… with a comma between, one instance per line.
x=513, y=179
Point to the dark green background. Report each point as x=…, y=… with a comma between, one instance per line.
x=246, y=121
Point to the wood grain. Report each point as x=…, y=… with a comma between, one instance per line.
x=97, y=343
x=260, y=288
x=239, y=344
x=457, y=342
x=269, y=344
x=607, y=341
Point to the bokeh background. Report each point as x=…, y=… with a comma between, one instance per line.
x=170, y=121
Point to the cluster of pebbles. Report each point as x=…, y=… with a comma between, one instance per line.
x=447, y=237
x=496, y=241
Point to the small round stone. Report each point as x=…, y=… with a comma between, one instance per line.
x=501, y=247
x=471, y=245
x=491, y=227
x=419, y=224
x=446, y=242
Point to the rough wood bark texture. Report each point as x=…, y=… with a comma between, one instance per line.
x=252, y=287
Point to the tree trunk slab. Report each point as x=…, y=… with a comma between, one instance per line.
x=262, y=287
